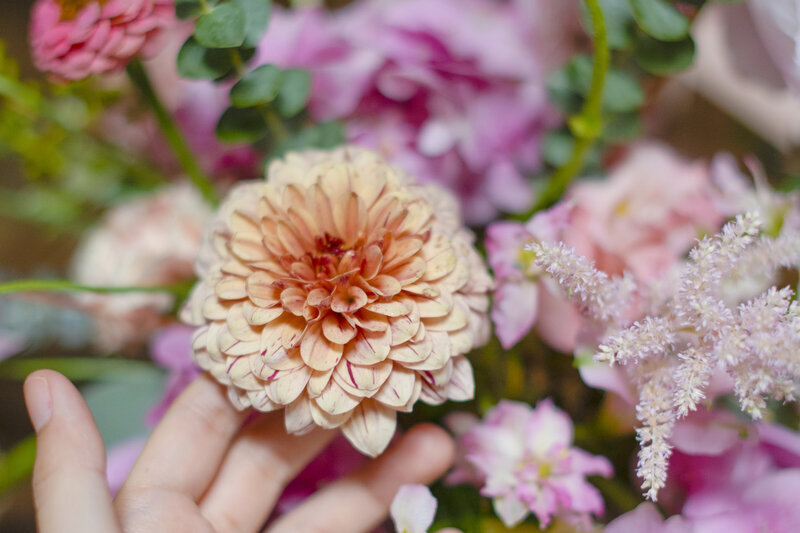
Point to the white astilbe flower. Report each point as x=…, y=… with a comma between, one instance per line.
x=693, y=330
x=599, y=296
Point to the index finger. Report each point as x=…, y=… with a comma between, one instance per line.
x=187, y=447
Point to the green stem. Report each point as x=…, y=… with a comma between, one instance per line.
x=59, y=285
x=140, y=79
x=587, y=126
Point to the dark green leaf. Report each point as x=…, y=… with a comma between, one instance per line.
x=622, y=127
x=222, y=27
x=619, y=22
x=197, y=62
x=621, y=92
x=260, y=86
x=186, y=9
x=557, y=148
x=258, y=12
x=241, y=125
x=664, y=59
x=563, y=93
x=294, y=92
x=660, y=19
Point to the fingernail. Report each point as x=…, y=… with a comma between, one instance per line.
x=39, y=401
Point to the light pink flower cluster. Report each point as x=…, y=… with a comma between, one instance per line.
x=642, y=220
x=413, y=509
x=152, y=240
x=726, y=476
x=72, y=39
x=693, y=330
x=340, y=291
x=452, y=90
x=524, y=460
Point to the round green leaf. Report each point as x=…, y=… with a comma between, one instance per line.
x=241, y=125
x=260, y=86
x=222, y=27
x=186, y=9
x=325, y=135
x=197, y=62
x=258, y=12
x=557, y=148
x=619, y=23
x=660, y=19
x=294, y=92
x=621, y=93
x=664, y=59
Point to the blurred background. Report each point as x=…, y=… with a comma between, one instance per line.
x=694, y=113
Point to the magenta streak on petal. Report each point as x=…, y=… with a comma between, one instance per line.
x=366, y=340
x=230, y=366
x=350, y=371
x=429, y=377
x=273, y=375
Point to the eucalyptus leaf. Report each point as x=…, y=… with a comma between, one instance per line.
x=257, y=20
x=222, y=27
x=557, y=148
x=196, y=62
x=619, y=23
x=621, y=92
x=323, y=136
x=660, y=19
x=259, y=86
x=664, y=59
x=241, y=125
x=186, y=9
x=294, y=93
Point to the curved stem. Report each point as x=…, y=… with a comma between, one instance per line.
x=140, y=79
x=586, y=126
x=59, y=285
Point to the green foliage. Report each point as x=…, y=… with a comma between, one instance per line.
x=187, y=9
x=221, y=27
x=258, y=14
x=619, y=23
x=325, y=135
x=294, y=92
x=664, y=59
x=660, y=19
x=241, y=125
x=196, y=62
x=259, y=86
x=16, y=465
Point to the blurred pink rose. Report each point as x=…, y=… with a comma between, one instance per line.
x=451, y=89
x=524, y=460
x=646, y=518
x=72, y=40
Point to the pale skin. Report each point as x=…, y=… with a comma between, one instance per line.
x=202, y=472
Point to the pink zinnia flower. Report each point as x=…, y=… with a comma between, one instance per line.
x=72, y=39
x=526, y=462
x=342, y=292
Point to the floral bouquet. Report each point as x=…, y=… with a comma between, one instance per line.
x=410, y=265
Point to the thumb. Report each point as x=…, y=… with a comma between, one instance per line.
x=69, y=475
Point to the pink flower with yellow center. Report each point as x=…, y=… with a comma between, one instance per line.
x=341, y=291
x=72, y=39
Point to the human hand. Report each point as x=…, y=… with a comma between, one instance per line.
x=201, y=471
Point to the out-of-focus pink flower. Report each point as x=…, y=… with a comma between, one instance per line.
x=646, y=519
x=149, y=241
x=526, y=462
x=646, y=215
x=120, y=460
x=778, y=26
x=455, y=87
x=72, y=39
x=523, y=293
x=171, y=348
x=642, y=219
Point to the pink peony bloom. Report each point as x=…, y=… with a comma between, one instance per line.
x=152, y=240
x=526, y=462
x=642, y=220
x=452, y=90
x=72, y=39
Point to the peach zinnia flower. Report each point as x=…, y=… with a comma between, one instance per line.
x=72, y=39
x=342, y=291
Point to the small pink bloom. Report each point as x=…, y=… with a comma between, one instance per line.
x=526, y=462
x=413, y=509
x=172, y=349
x=120, y=461
x=72, y=39
x=646, y=518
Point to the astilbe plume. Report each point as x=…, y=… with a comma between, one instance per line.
x=693, y=330
x=341, y=291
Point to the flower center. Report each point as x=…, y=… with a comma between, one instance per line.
x=71, y=8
